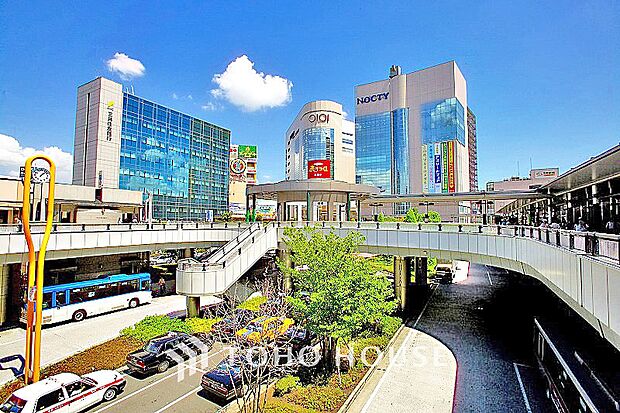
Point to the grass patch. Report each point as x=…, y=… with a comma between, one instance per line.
x=253, y=304
x=153, y=326
x=201, y=325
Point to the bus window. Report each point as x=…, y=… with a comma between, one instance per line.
x=128, y=287
x=61, y=298
x=47, y=300
x=145, y=285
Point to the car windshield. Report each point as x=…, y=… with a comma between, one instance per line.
x=153, y=347
x=13, y=404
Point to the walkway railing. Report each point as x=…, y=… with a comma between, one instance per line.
x=140, y=226
x=595, y=244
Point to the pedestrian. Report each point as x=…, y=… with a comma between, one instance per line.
x=555, y=225
x=581, y=226
x=162, y=286
x=611, y=226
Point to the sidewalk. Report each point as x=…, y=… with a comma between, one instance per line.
x=420, y=378
x=64, y=340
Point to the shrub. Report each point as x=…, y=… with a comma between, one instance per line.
x=322, y=398
x=389, y=325
x=253, y=304
x=201, y=325
x=281, y=406
x=153, y=326
x=286, y=384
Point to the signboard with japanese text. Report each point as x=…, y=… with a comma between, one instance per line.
x=319, y=169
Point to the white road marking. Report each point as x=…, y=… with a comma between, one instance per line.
x=525, y=399
x=489, y=277
x=149, y=386
x=398, y=353
x=175, y=401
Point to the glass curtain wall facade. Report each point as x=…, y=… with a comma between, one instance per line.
x=382, y=146
x=373, y=151
x=318, y=145
x=182, y=161
x=443, y=121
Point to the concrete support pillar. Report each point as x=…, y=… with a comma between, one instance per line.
x=401, y=281
x=359, y=210
x=285, y=256
x=4, y=292
x=188, y=253
x=300, y=212
x=193, y=306
x=421, y=271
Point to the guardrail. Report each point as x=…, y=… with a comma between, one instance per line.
x=140, y=226
x=590, y=243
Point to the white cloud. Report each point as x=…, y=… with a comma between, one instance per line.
x=175, y=96
x=126, y=67
x=13, y=155
x=209, y=106
x=345, y=115
x=243, y=86
x=190, y=97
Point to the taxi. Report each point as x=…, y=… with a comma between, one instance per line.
x=65, y=393
x=265, y=329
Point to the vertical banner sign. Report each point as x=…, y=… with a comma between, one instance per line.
x=431, y=168
x=444, y=167
x=451, y=183
x=424, y=168
x=437, y=167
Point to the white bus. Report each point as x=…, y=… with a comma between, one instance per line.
x=78, y=300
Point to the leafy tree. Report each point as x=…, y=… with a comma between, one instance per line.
x=413, y=216
x=433, y=216
x=338, y=295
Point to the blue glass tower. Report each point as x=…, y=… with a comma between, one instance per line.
x=181, y=160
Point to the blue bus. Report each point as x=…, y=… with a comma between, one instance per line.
x=78, y=300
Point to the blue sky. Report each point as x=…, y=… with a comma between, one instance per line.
x=543, y=79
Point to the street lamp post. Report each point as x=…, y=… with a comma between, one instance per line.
x=426, y=218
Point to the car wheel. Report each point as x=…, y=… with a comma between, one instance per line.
x=109, y=394
x=79, y=315
x=133, y=303
x=163, y=366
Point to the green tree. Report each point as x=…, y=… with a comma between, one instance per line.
x=433, y=216
x=413, y=216
x=337, y=294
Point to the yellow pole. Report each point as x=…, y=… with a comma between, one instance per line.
x=31, y=270
x=33, y=350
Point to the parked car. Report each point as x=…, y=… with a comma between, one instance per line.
x=163, y=259
x=226, y=379
x=265, y=329
x=66, y=393
x=226, y=328
x=164, y=351
x=297, y=338
x=444, y=273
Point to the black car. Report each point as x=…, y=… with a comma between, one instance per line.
x=164, y=351
x=225, y=329
x=297, y=338
x=226, y=379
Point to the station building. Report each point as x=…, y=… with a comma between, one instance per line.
x=127, y=142
x=320, y=144
x=412, y=136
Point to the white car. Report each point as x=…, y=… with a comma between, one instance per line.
x=65, y=393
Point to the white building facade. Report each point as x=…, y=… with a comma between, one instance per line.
x=320, y=144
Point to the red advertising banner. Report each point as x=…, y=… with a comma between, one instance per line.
x=319, y=169
x=451, y=158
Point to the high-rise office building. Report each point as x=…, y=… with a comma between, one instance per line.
x=411, y=135
x=473, y=150
x=125, y=141
x=320, y=143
